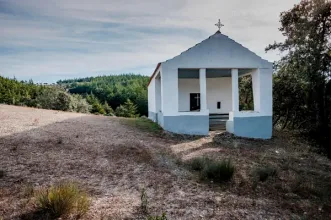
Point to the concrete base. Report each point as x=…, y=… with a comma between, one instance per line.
x=229, y=126
x=159, y=117
x=187, y=124
x=251, y=127
x=152, y=116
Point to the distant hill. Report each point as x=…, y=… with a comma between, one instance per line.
x=113, y=89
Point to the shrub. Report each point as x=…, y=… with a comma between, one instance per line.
x=157, y=217
x=79, y=104
x=144, y=201
x=108, y=109
x=97, y=108
x=63, y=101
x=219, y=171
x=47, y=98
x=263, y=173
x=128, y=110
x=62, y=199
x=198, y=163
x=215, y=170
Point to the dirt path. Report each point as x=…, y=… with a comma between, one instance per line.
x=114, y=162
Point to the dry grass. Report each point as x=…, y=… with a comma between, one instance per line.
x=62, y=200
x=114, y=160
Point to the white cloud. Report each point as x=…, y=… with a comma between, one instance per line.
x=57, y=37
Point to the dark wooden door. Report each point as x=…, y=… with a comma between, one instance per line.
x=194, y=101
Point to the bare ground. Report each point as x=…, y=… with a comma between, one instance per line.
x=114, y=161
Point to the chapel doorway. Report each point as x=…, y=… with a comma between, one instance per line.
x=194, y=101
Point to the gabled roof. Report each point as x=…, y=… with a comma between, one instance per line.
x=155, y=71
x=217, y=51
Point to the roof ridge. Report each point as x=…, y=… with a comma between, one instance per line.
x=217, y=32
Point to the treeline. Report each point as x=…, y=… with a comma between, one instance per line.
x=24, y=93
x=301, y=83
x=68, y=95
x=114, y=91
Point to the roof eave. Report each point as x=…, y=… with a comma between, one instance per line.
x=154, y=73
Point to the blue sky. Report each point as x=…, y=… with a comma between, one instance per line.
x=48, y=40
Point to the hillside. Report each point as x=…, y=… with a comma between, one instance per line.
x=114, y=159
x=113, y=89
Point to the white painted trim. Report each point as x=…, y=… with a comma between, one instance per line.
x=203, y=89
x=246, y=114
x=235, y=90
x=206, y=112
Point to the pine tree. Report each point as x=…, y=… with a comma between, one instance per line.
x=128, y=110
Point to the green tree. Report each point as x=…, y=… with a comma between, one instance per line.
x=63, y=101
x=48, y=97
x=246, y=93
x=128, y=109
x=108, y=109
x=305, y=69
x=114, y=90
x=79, y=104
x=97, y=108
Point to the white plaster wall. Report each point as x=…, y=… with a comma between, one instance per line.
x=218, y=89
x=218, y=51
x=157, y=94
x=266, y=91
x=169, y=90
x=151, y=96
x=262, y=91
x=185, y=87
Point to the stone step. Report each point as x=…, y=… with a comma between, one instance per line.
x=217, y=122
x=218, y=116
x=217, y=127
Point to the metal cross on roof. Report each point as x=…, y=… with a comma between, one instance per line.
x=219, y=25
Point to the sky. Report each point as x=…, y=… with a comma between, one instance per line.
x=48, y=40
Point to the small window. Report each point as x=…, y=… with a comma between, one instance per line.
x=218, y=105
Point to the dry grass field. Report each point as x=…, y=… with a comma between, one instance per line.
x=114, y=159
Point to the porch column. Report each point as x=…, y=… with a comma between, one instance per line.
x=203, y=90
x=235, y=92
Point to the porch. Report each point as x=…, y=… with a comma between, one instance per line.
x=210, y=92
x=186, y=90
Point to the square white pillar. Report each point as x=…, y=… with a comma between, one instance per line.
x=235, y=90
x=256, y=83
x=203, y=90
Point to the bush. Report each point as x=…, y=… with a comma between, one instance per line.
x=47, y=98
x=63, y=101
x=128, y=110
x=62, y=199
x=198, y=163
x=263, y=173
x=219, y=171
x=108, y=109
x=97, y=108
x=79, y=104
x=162, y=217
x=144, y=201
